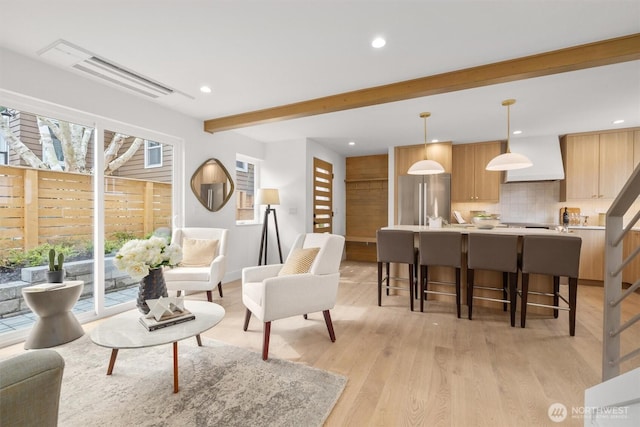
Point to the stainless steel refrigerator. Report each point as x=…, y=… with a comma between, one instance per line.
x=423, y=196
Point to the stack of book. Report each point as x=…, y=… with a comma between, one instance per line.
x=167, y=320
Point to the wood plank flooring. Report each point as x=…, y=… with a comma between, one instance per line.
x=431, y=368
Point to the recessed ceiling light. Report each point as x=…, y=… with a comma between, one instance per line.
x=378, y=42
x=352, y=143
x=517, y=132
x=205, y=89
x=617, y=122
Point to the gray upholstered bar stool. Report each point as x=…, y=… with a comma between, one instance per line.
x=395, y=246
x=554, y=256
x=496, y=252
x=439, y=248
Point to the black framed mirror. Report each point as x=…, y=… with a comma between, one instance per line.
x=212, y=185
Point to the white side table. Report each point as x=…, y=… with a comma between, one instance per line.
x=56, y=323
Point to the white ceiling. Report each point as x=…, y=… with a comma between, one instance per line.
x=260, y=54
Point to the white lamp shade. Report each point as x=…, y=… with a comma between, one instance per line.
x=269, y=196
x=509, y=161
x=425, y=167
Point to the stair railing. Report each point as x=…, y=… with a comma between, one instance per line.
x=615, y=231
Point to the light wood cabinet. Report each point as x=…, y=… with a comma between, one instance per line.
x=631, y=273
x=591, y=254
x=470, y=181
x=596, y=165
x=407, y=155
x=636, y=148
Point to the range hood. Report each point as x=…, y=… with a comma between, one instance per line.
x=544, y=152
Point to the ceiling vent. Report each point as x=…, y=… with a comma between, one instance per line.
x=67, y=54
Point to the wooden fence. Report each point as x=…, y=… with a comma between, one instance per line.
x=39, y=206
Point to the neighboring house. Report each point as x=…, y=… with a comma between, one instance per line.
x=153, y=161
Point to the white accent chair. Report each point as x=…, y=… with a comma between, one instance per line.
x=204, y=278
x=271, y=297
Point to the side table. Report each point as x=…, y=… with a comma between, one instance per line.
x=55, y=324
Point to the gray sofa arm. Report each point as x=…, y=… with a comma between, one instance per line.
x=30, y=389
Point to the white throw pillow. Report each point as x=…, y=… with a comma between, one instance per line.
x=198, y=252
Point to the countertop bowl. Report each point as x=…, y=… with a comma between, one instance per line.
x=485, y=223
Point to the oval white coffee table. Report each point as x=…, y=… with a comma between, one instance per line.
x=125, y=331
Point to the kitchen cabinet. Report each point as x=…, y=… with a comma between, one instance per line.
x=636, y=148
x=407, y=155
x=596, y=165
x=631, y=272
x=591, y=254
x=470, y=181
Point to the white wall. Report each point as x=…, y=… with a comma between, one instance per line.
x=288, y=166
x=284, y=164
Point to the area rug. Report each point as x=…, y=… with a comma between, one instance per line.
x=220, y=385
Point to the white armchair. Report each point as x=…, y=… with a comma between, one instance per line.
x=204, y=264
x=270, y=296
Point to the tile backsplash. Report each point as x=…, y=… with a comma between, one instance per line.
x=538, y=202
x=529, y=202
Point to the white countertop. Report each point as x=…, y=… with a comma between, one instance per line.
x=472, y=229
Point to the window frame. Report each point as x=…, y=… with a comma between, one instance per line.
x=244, y=167
x=147, y=156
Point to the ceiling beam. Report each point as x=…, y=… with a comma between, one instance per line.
x=574, y=58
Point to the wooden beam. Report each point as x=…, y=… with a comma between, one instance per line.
x=574, y=58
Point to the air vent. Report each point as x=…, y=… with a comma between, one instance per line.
x=67, y=54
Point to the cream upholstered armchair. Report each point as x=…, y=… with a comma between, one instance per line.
x=306, y=283
x=204, y=260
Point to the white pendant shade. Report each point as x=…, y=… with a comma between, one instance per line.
x=425, y=167
x=509, y=161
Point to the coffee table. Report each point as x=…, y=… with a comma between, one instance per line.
x=124, y=331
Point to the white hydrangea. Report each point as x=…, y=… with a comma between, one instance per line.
x=137, y=257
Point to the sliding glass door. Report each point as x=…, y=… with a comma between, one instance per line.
x=81, y=186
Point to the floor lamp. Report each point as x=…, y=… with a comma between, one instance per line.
x=268, y=196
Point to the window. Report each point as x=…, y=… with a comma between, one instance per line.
x=246, y=182
x=242, y=166
x=4, y=146
x=4, y=151
x=152, y=154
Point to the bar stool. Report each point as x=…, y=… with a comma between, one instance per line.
x=441, y=248
x=496, y=252
x=395, y=246
x=553, y=256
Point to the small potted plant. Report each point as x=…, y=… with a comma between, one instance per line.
x=56, y=272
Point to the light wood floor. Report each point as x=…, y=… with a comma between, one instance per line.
x=431, y=368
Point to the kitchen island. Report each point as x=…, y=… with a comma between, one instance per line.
x=537, y=283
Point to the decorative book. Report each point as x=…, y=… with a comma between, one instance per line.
x=167, y=319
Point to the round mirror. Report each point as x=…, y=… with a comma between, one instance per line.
x=212, y=185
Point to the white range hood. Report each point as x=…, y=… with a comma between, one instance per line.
x=544, y=152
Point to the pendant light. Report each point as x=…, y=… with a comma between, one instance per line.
x=426, y=166
x=509, y=160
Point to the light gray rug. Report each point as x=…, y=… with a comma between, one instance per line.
x=220, y=385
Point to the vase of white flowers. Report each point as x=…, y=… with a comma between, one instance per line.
x=144, y=259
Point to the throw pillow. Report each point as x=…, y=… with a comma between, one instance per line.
x=198, y=252
x=299, y=261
